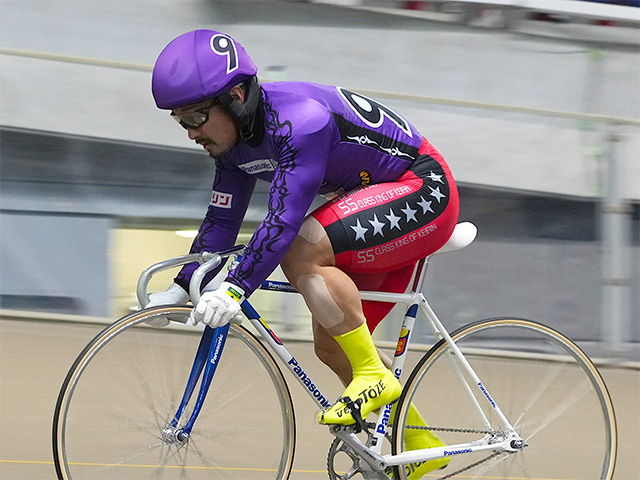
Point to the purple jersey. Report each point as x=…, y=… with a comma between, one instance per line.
x=318, y=140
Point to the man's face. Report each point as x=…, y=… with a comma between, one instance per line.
x=218, y=134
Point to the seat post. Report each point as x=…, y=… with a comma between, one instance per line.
x=421, y=271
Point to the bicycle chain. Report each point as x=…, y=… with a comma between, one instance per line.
x=469, y=467
x=448, y=429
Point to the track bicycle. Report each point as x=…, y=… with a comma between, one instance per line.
x=511, y=399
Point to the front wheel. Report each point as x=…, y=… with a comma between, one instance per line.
x=546, y=386
x=125, y=387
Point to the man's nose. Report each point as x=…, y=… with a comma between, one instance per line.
x=193, y=133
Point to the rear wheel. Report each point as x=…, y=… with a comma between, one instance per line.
x=546, y=386
x=125, y=387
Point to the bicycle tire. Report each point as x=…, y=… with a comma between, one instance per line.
x=126, y=385
x=546, y=386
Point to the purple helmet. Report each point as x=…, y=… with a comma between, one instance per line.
x=199, y=65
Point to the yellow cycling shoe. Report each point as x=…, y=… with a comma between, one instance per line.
x=369, y=392
x=373, y=384
x=418, y=439
x=417, y=470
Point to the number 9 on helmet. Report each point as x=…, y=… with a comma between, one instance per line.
x=198, y=65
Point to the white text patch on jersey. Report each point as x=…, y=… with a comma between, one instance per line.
x=221, y=200
x=258, y=166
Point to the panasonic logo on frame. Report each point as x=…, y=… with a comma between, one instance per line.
x=386, y=413
x=486, y=394
x=448, y=453
x=306, y=381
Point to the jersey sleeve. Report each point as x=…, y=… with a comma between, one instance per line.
x=230, y=198
x=297, y=180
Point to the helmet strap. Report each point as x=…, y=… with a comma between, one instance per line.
x=248, y=116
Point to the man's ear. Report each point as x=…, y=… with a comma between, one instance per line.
x=237, y=93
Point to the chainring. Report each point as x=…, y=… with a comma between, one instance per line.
x=343, y=463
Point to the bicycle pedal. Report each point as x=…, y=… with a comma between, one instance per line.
x=354, y=408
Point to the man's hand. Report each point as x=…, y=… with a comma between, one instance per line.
x=174, y=295
x=218, y=307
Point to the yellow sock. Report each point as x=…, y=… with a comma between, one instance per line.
x=373, y=384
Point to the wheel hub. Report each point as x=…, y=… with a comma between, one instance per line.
x=174, y=436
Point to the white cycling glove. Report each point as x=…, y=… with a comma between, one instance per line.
x=174, y=295
x=218, y=307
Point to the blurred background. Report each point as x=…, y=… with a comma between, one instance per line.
x=535, y=105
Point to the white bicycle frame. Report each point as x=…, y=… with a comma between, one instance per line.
x=506, y=439
x=503, y=439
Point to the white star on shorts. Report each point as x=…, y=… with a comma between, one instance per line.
x=435, y=178
x=393, y=220
x=436, y=193
x=409, y=212
x=377, y=225
x=360, y=230
x=426, y=206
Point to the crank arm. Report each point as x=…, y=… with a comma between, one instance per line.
x=375, y=461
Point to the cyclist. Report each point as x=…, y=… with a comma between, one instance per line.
x=392, y=201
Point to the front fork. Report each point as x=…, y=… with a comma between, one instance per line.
x=207, y=357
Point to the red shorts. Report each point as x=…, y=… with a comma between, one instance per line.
x=379, y=232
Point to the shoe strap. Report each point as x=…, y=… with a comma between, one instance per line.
x=354, y=408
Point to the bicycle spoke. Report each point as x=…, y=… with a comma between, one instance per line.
x=559, y=410
x=538, y=393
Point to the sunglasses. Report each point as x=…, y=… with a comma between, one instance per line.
x=194, y=119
